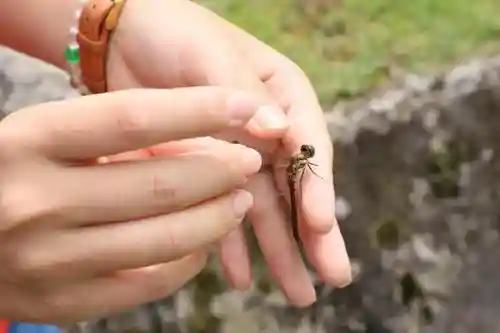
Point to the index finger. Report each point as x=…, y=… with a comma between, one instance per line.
x=287, y=83
x=111, y=123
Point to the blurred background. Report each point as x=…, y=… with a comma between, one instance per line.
x=348, y=47
x=411, y=92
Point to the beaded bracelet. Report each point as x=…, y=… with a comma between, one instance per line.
x=86, y=52
x=72, y=53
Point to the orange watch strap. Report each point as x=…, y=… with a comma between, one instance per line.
x=98, y=19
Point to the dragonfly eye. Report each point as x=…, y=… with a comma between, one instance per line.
x=307, y=150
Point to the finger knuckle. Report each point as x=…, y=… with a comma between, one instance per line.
x=130, y=123
x=22, y=203
x=26, y=265
x=215, y=102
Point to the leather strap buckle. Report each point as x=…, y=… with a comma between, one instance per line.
x=98, y=19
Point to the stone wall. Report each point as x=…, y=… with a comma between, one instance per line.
x=417, y=178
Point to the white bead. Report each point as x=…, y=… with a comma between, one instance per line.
x=73, y=31
x=74, y=69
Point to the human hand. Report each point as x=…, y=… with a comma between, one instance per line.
x=80, y=238
x=175, y=43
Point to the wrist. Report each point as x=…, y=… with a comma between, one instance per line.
x=117, y=73
x=145, y=28
x=127, y=46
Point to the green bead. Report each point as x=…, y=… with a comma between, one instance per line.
x=72, y=54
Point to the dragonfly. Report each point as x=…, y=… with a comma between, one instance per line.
x=295, y=173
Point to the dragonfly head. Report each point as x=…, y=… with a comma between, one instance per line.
x=307, y=151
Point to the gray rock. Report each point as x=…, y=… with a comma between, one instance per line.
x=417, y=178
x=26, y=81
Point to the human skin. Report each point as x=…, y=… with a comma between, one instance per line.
x=153, y=34
x=81, y=237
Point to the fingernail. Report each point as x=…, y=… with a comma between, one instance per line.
x=241, y=106
x=250, y=160
x=344, y=283
x=346, y=279
x=242, y=202
x=270, y=118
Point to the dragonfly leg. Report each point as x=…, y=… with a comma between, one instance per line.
x=312, y=170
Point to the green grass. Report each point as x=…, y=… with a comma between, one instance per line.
x=347, y=47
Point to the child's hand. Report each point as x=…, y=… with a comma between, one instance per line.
x=172, y=43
